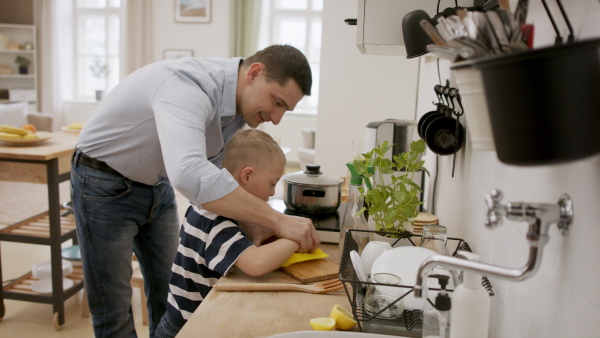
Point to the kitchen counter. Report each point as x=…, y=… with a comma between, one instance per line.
x=262, y=314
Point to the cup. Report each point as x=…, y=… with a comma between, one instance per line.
x=383, y=295
x=371, y=251
x=434, y=238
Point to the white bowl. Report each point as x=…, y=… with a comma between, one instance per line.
x=404, y=262
x=44, y=286
x=371, y=251
x=44, y=269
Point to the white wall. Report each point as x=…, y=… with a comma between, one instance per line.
x=206, y=39
x=356, y=89
x=562, y=299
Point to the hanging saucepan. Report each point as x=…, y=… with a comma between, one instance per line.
x=311, y=191
x=438, y=112
x=441, y=135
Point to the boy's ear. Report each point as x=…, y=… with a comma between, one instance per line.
x=245, y=174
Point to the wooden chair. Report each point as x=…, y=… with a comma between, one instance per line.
x=137, y=281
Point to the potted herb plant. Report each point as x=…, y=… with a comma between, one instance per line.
x=392, y=196
x=23, y=63
x=99, y=71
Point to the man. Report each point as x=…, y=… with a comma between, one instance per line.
x=164, y=126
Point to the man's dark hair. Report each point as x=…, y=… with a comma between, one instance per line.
x=283, y=62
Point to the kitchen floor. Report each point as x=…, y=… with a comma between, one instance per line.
x=27, y=319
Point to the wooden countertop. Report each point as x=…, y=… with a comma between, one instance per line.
x=262, y=314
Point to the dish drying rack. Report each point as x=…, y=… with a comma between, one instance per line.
x=410, y=322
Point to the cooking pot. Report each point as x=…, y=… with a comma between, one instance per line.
x=311, y=191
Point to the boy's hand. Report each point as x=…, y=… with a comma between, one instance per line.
x=256, y=233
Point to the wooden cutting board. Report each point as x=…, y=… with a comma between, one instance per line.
x=312, y=271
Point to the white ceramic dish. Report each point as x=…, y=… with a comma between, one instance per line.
x=42, y=137
x=44, y=286
x=325, y=334
x=44, y=269
x=74, y=131
x=371, y=251
x=358, y=266
x=404, y=262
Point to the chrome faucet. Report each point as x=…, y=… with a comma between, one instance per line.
x=540, y=217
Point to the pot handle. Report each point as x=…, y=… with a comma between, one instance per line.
x=313, y=169
x=313, y=193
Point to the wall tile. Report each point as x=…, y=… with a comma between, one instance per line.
x=584, y=318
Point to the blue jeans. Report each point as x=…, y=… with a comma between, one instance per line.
x=169, y=327
x=117, y=217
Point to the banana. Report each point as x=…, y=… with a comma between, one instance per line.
x=75, y=126
x=12, y=130
x=31, y=136
x=9, y=135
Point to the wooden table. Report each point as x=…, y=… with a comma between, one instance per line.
x=262, y=314
x=46, y=163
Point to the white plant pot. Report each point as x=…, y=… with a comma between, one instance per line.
x=470, y=83
x=99, y=95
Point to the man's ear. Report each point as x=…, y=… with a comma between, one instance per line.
x=254, y=71
x=245, y=174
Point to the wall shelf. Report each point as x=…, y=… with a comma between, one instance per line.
x=19, y=34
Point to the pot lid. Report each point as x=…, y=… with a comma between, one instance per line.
x=312, y=176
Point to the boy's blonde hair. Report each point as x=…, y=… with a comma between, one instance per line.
x=251, y=148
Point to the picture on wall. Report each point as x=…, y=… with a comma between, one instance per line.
x=192, y=11
x=171, y=54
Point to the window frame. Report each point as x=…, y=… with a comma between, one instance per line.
x=82, y=77
x=309, y=15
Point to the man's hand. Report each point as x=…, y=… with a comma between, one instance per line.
x=300, y=230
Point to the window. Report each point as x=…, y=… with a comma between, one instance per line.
x=97, y=46
x=297, y=23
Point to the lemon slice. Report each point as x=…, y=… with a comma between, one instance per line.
x=322, y=324
x=343, y=318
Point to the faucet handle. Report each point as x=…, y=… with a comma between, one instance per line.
x=495, y=209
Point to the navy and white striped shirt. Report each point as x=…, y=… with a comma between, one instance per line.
x=209, y=245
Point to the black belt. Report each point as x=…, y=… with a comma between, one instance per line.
x=81, y=158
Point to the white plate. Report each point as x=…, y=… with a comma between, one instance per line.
x=74, y=131
x=44, y=269
x=404, y=262
x=44, y=286
x=359, y=268
x=326, y=334
x=42, y=137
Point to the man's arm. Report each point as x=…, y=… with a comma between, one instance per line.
x=243, y=206
x=258, y=261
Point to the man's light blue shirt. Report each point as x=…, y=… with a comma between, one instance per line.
x=169, y=122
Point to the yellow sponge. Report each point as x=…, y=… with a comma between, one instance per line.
x=301, y=257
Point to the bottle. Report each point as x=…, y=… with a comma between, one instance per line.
x=352, y=219
x=470, y=305
x=436, y=320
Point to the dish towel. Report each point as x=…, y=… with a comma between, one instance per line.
x=301, y=257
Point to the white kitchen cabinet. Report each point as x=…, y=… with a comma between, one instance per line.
x=19, y=40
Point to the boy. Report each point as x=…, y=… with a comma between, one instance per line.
x=209, y=244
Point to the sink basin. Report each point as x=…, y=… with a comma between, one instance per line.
x=333, y=334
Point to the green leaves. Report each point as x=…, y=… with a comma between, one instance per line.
x=393, y=200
